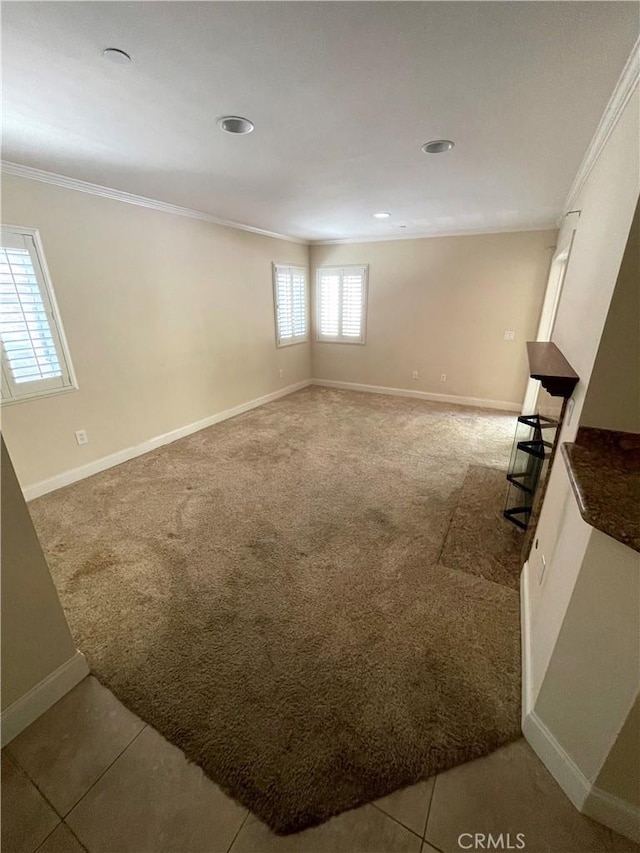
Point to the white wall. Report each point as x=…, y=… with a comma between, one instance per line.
x=169, y=320
x=441, y=305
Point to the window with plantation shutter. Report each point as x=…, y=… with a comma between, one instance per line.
x=341, y=304
x=290, y=301
x=35, y=360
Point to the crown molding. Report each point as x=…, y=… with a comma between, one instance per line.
x=33, y=174
x=478, y=232
x=625, y=87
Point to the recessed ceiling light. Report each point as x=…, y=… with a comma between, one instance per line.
x=438, y=146
x=235, y=124
x=114, y=54
x=382, y=215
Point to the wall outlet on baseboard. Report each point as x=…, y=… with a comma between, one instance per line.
x=82, y=437
x=443, y=377
x=414, y=374
x=281, y=373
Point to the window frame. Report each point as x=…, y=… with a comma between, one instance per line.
x=8, y=395
x=340, y=339
x=295, y=339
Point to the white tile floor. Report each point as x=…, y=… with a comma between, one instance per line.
x=91, y=776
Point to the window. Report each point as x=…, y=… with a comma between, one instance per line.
x=35, y=360
x=290, y=301
x=341, y=294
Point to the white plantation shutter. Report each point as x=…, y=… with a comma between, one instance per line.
x=352, y=303
x=329, y=303
x=34, y=358
x=284, y=303
x=341, y=294
x=290, y=299
x=299, y=299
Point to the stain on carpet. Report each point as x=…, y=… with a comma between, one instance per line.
x=266, y=593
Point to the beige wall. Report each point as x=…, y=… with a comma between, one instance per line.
x=169, y=320
x=613, y=397
x=607, y=202
x=620, y=774
x=35, y=636
x=441, y=305
x=592, y=679
x=581, y=692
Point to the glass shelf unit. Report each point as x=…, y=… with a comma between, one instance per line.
x=532, y=447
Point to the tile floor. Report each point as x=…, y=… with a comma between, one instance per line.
x=90, y=776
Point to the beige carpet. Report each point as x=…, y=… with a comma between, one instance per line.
x=479, y=540
x=268, y=594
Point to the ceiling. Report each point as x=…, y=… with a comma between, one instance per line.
x=342, y=95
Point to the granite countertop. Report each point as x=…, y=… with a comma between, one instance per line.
x=604, y=471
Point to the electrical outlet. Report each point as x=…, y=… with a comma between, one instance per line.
x=570, y=407
x=414, y=374
x=281, y=373
x=443, y=377
x=82, y=437
x=509, y=335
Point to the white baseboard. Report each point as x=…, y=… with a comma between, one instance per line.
x=75, y=474
x=561, y=766
x=40, y=698
x=617, y=814
x=479, y=402
x=614, y=813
